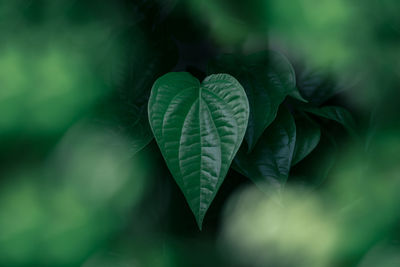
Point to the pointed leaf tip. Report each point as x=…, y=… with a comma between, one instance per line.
x=199, y=128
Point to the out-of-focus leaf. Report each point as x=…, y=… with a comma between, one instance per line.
x=308, y=135
x=316, y=86
x=296, y=94
x=382, y=254
x=298, y=25
x=199, y=128
x=335, y=113
x=139, y=58
x=269, y=163
x=152, y=12
x=268, y=78
x=229, y=22
x=126, y=120
x=73, y=203
x=60, y=70
x=315, y=168
x=138, y=61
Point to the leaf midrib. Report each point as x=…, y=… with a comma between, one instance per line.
x=201, y=99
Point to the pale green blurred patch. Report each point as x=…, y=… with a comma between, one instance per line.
x=295, y=232
x=43, y=91
x=54, y=60
x=58, y=208
x=336, y=226
x=320, y=30
x=58, y=214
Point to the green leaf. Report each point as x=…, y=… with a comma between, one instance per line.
x=269, y=163
x=317, y=86
x=267, y=78
x=296, y=94
x=308, y=134
x=335, y=113
x=199, y=128
x=316, y=167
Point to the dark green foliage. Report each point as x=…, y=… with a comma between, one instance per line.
x=120, y=120
x=269, y=163
x=199, y=128
x=268, y=78
x=273, y=144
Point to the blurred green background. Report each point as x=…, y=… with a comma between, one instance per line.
x=82, y=183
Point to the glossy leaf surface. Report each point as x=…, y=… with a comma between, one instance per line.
x=199, y=128
x=308, y=134
x=269, y=163
x=267, y=78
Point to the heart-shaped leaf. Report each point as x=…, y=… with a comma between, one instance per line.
x=199, y=128
x=308, y=134
x=269, y=163
x=267, y=77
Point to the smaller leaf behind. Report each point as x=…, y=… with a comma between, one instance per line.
x=335, y=113
x=268, y=165
x=267, y=77
x=317, y=86
x=296, y=95
x=308, y=134
x=316, y=167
